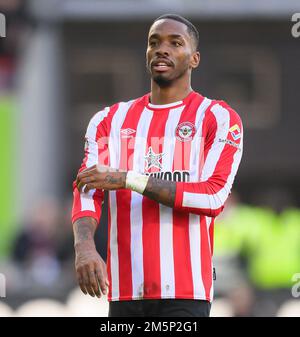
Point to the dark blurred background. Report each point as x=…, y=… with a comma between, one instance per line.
x=63, y=60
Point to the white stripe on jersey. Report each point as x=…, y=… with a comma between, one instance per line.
x=136, y=210
x=195, y=244
x=208, y=201
x=114, y=156
x=86, y=199
x=166, y=213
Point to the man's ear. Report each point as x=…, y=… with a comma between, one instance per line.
x=195, y=60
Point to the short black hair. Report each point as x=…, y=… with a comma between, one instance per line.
x=193, y=32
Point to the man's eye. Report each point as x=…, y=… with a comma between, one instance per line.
x=177, y=43
x=152, y=43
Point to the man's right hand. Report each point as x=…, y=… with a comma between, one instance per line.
x=90, y=269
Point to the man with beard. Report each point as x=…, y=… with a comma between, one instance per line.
x=168, y=160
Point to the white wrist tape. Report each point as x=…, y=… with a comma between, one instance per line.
x=136, y=182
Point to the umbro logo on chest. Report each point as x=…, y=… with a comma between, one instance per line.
x=184, y=132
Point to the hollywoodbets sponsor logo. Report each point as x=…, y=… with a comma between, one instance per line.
x=230, y=142
x=181, y=176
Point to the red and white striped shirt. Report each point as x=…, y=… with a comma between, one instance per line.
x=155, y=251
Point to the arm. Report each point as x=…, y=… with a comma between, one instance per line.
x=108, y=178
x=162, y=191
x=223, y=150
x=90, y=267
x=89, y=204
x=86, y=212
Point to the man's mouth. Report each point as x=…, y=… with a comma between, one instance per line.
x=161, y=66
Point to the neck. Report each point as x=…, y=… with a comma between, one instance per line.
x=173, y=93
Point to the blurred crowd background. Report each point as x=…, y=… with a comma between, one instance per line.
x=63, y=60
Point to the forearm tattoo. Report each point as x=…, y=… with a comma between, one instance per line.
x=84, y=229
x=162, y=191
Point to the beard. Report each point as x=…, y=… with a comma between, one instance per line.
x=161, y=81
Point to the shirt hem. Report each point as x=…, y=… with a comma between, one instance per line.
x=136, y=298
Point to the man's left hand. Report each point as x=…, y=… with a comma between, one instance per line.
x=101, y=177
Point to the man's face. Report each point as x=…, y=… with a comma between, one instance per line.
x=170, y=53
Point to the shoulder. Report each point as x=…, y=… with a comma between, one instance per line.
x=220, y=111
x=106, y=114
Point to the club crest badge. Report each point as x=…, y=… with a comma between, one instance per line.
x=185, y=131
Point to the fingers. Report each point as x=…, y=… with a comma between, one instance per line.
x=92, y=176
x=83, y=281
x=85, y=186
x=101, y=280
x=90, y=172
x=92, y=281
x=85, y=180
x=81, y=285
x=85, y=175
x=88, y=187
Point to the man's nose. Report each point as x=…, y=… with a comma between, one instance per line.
x=162, y=50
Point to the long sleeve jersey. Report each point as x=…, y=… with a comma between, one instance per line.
x=155, y=251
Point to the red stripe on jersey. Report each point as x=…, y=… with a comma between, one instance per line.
x=211, y=236
x=151, y=210
x=205, y=258
x=181, y=240
x=76, y=202
x=123, y=199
